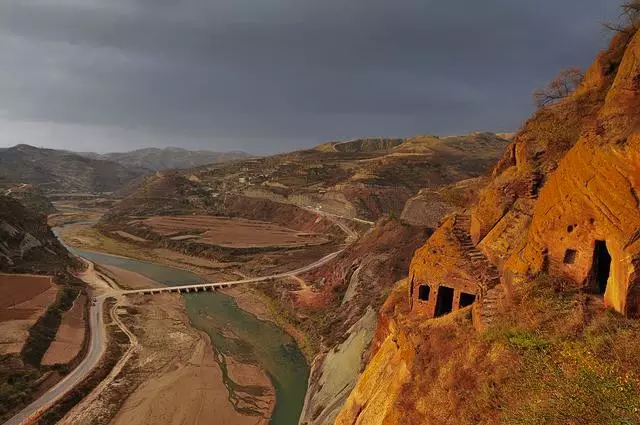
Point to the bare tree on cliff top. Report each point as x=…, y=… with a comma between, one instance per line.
x=562, y=86
x=629, y=18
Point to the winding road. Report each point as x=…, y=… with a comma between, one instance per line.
x=96, y=350
x=98, y=333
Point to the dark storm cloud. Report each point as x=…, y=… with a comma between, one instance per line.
x=277, y=74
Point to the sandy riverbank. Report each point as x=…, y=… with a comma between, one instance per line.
x=173, y=377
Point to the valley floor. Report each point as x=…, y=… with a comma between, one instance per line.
x=173, y=375
x=84, y=236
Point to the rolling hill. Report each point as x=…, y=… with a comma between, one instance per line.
x=162, y=159
x=364, y=179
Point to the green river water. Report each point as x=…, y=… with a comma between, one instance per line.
x=235, y=333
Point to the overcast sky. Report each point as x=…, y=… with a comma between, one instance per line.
x=273, y=75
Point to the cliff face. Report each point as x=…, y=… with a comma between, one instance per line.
x=564, y=199
x=563, y=204
x=586, y=222
x=351, y=289
x=502, y=215
x=375, y=396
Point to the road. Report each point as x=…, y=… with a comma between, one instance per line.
x=96, y=349
x=98, y=333
x=10, y=191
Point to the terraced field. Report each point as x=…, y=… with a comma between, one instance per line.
x=229, y=232
x=23, y=299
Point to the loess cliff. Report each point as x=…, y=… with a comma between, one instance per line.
x=520, y=310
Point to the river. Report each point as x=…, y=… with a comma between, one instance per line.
x=235, y=333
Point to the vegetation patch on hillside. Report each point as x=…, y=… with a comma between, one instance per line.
x=556, y=356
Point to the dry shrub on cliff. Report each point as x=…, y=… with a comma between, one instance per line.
x=555, y=128
x=556, y=357
x=559, y=88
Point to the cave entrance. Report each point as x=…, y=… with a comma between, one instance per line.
x=423, y=292
x=466, y=299
x=444, y=304
x=601, y=267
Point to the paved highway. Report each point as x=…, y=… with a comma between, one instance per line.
x=96, y=349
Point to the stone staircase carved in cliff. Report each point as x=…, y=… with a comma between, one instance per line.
x=485, y=274
x=533, y=185
x=527, y=188
x=487, y=307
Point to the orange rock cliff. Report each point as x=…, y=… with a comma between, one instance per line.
x=563, y=201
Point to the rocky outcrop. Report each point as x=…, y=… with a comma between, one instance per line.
x=539, y=146
x=564, y=194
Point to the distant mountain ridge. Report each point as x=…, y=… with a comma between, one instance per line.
x=63, y=171
x=168, y=158
x=53, y=170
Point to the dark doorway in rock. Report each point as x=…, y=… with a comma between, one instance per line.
x=601, y=267
x=466, y=299
x=423, y=292
x=444, y=304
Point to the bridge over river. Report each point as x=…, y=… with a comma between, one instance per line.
x=213, y=286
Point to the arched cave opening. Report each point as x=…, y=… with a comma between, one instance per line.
x=601, y=268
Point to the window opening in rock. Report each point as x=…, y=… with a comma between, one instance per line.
x=423, y=292
x=570, y=256
x=466, y=299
